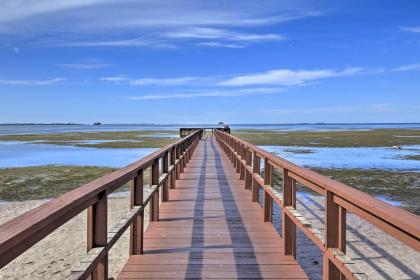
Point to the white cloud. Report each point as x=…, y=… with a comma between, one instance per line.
x=116, y=79
x=84, y=65
x=31, y=82
x=165, y=82
x=148, y=13
x=135, y=42
x=221, y=45
x=155, y=81
x=409, y=67
x=223, y=34
x=413, y=29
x=216, y=93
x=288, y=77
x=13, y=10
x=146, y=23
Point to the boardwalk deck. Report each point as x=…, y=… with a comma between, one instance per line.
x=211, y=229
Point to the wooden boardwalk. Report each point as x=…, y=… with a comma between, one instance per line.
x=206, y=225
x=211, y=229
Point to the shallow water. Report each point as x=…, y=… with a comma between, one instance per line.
x=351, y=158
x=21, y=154
x=42, y=129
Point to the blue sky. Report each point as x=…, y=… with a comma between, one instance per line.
x=209, y=61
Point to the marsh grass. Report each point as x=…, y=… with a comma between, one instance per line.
x=41, y=182
x=117, y=139
x=368, y=138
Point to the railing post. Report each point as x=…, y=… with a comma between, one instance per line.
x=165, y=187
x=288, y=226
x=255, y=186
x=238, y=157
x=243, y=157
x=177, y=168
x=248, y=175
x=233, y=153
x=182, y=161
x=335, y=234
x=137, y=228
x=154, y=180
x=97, y=233
x=173, y=171
x=268, y=200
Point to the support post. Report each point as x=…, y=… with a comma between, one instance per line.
x=335, y=234
x=242, y=152
x=268, y=200
x=173, y=172
x=255, y=186
x=177, y=168
x=154, y=180
x=137, y=228
x=97, y=233
x=248, y=174
x=165, y=187
x=288, y=226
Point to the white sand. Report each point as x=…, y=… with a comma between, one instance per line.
x=52, y=257
x=376, y=253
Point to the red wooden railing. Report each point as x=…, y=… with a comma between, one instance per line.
x=21, y=233
x=339, y=198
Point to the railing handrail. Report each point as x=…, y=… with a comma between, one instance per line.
x=22, y=232
x=404, y=220
x=338, y=198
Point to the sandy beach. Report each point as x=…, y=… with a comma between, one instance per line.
x=53, y=257
x=378, y=254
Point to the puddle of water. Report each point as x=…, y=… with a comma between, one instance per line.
x=162, y=135
x=351, y=158
x=307, y=199
x=21, y=154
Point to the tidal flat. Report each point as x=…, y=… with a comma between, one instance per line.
x=42, y=182
x=359, y=138
x=103, y=139
x=46, y=182
x=397, y=188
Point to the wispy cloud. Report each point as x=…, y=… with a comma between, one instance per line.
x=87, y=64
x=116, y=79
x=94, y=23
x=215, y=93
x=31, y=82
x=126, y=13
x=135, y=42
x=223, y=34
x=409, y=67
x=413, y=29
x=221, y=45
x=166, y=82
x=288, y=77
x=156, y=81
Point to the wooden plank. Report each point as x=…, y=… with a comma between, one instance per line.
x=210, y=228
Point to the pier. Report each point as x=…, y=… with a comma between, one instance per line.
x=205, y=218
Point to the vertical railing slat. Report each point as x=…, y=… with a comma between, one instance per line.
x=288, y=226
x=154, y=180
x=256, y=168
x=137, y=228
x=97, y=233
x=173, y=176
x=165, y=187
x=268, y=200
x=335, y=234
